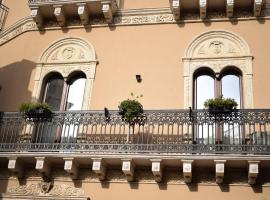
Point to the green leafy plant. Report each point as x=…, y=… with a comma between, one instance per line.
x=220, y=104
x=35, y=110
x=131, y=109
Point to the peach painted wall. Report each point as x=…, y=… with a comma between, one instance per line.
x=153, y=51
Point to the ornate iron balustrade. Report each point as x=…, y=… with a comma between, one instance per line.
x=3, y=15
x=161, y=131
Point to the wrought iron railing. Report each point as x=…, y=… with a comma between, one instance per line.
x=3, y=15
x=164, y=131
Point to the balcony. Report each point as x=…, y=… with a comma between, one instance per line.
x=3, y=15
x=166, y=131
x=62, y=11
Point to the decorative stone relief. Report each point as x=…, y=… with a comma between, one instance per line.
x=218, y=50
x=39, y=189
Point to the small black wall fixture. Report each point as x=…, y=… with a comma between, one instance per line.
x=139, y=78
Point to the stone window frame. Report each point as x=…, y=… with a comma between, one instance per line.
x=217, y=50
x=66, y=56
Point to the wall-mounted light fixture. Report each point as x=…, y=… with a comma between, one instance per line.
x=139, y=78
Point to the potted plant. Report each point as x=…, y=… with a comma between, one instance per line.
x=131, y=110
x=35, y=110
x=220, y=105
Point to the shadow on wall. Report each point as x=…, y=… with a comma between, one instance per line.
x=14, y=84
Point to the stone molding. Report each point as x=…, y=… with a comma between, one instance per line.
x=126, y=18
x=44, y=191
x=66, y=56
x=217, y=50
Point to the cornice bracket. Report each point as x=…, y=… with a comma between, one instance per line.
x=203, y=8
x=176, y=8
x=99, y=168
x=229, y=8
x=253, y=171
x=187, y=170
x=60, y=15
x=107, y=12
x=37, y=17
x=257, y=7
x=83, y=13
x=128, y=168
x=71, y=167
x=157, y=169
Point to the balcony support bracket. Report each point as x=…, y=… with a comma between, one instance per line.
x=37, y=17
x=15, y=166
x=99, y=167
x=176, y=9
x=220, y=170
x=187, y=170
x=230, y=8
x=253, y=171
x=128, y=168
x=71, y=167
x=83, y=13
x=43, y=166
x=157, y=169
x=60, y=15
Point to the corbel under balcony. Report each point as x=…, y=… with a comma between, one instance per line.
x=107, y=12
x=176, y=8
x=253, y=171
x=257, y=7
x=128, y=168
x=71, y=167
x=83, y=13
x=99, y=167
x=60, y=15
x=187, y=170
x=62, y=11
x=229, y=8
x=220, y=170
x=15, y=166
x=203, y=8
x=43, y=166
x=37, y=17
x=157, y=168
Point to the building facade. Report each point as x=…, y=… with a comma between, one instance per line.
x=84, y=57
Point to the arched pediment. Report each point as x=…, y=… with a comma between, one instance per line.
x=68, y=50
x=217, y=44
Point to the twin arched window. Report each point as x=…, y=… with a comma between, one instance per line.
x=63, y=94
x=208, y=85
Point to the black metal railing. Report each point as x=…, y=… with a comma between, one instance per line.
x=161, y=131
x=3, y=15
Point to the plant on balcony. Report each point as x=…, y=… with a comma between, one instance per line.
x=220, y=105
x=35, y=110
x=131, y=110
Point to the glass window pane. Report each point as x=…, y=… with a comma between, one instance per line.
x=75, y=94
x=54, y=92
x=231, y=88
x=205, y=90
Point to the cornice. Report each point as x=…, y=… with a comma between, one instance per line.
x=124, y=18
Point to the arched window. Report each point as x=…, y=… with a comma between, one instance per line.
x=207, y=86
x=64, y=95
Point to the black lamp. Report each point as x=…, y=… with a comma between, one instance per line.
x=139, y=78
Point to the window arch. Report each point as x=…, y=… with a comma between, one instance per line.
x=209, y=85
x=70, y=57
x=63, y=94
x=223, y=52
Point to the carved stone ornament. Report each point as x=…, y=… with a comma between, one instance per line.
x=69, y=50
x=44, y=190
